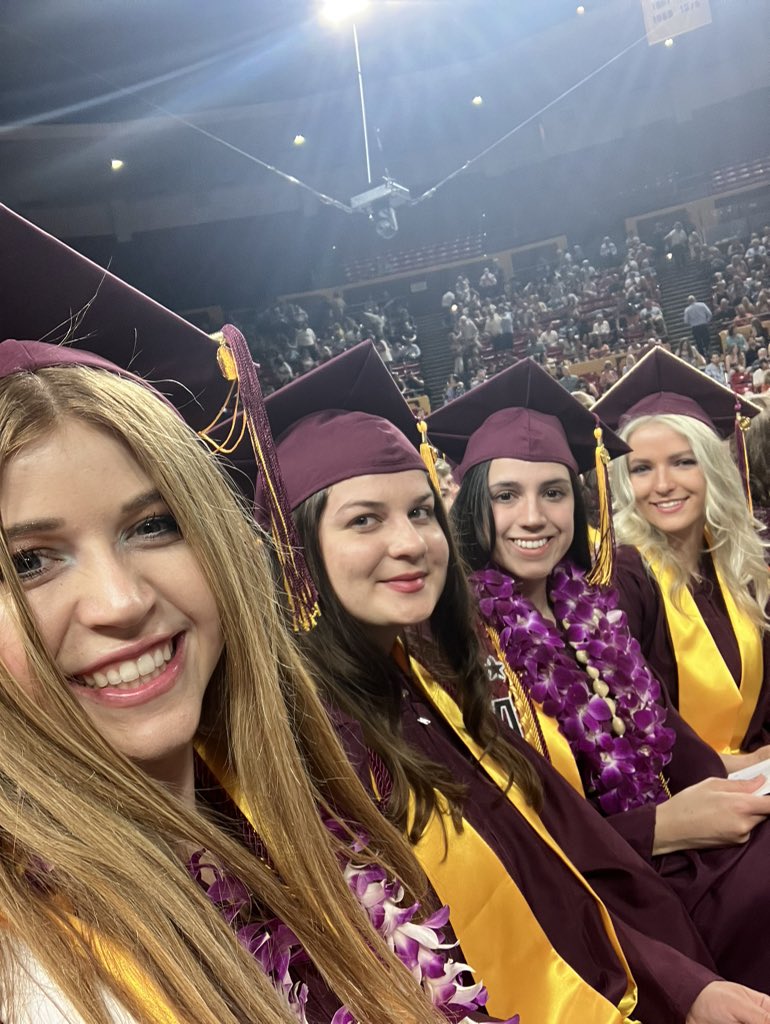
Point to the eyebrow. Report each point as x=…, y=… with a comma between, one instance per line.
x=511, y=484
x=32, y=526
x=674, y=455
x=376, y=506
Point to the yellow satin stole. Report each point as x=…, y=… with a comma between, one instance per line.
x=540, y=730
x=709, y=700
x=499, y=934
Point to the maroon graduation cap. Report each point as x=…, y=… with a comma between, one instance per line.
x=50, y=294
x=520, y=413
x=662, y=383
x=344, y=419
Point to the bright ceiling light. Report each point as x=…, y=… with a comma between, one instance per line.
x=477, y=101
x=669, y=42
x=580, y=9
x=299, y=140
x=117, y=165
x=339, y=10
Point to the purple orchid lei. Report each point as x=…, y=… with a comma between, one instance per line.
x=604, y=696
x=419, y=946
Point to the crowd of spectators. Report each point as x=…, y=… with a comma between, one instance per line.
x=739, y=310
x=587, y=320
x=287, y=342
x=565, y=311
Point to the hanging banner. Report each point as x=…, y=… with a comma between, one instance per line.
x=664, y=19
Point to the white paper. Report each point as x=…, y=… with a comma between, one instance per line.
x=763, y=768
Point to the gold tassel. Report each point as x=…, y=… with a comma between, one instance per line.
x=604, y=564
x=428, y=454
x=742, y=424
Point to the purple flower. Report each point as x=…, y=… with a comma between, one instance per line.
x=620, y=749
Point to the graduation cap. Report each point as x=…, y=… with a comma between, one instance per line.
x=663, y=384
x=51, y=293
x=346, y=418
x=520, y=413
x=523, y=413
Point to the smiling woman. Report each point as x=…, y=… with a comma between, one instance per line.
x=692, y=577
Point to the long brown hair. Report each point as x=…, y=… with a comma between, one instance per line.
x=366, y=684
x=90, y=845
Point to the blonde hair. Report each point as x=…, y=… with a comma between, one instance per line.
x=90, y=845
x=733, y=541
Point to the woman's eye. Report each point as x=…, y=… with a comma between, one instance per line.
x=157, y=526
x=423, y=512
x=638, y=469
x=687, y=462
x=362, y=521
x=503, y=496
x=554, y=494
x=28, y=564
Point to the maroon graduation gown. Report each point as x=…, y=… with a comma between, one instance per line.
x=667, y=957
x=639, y=597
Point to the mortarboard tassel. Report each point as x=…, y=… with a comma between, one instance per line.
x=604, y=563
x=236, y=365
x=428, y=454
x=742, y=424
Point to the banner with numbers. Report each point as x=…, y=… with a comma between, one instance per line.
x=664, y=19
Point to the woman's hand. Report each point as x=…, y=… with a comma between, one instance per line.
x=734, y=762
x=715, y=812
x=721, y=1002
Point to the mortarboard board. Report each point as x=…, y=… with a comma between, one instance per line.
x=520, y=413
x=344, y=419
x=662, y=383
x=49, y=292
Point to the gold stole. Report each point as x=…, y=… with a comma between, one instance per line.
x=540, y=730
x=709, y=700
x=500, y=936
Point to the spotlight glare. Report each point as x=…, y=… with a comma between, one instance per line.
x=116, y=165
x=580, y=9
x=669, y=42
x=337, y=10
x=299, y=140
x=477, y=101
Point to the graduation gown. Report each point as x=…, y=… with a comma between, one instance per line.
x=723, y=888
x=639, y=597
x=667, y=958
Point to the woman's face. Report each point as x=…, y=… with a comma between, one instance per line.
x=668, y=484
x=384, y=551
x=534, y=512
x=116, y=593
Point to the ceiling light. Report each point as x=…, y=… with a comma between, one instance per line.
x=580, y=9
x=669, y=42
x=477, y=101
x=117, y=165
x=338, y=10
x=299, y=140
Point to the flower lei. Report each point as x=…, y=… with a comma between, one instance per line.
x=604, y=696
x=419, y=946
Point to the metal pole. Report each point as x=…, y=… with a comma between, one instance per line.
x=363, y=105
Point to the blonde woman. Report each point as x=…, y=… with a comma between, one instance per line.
x=181, y=838
x=692, y=577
